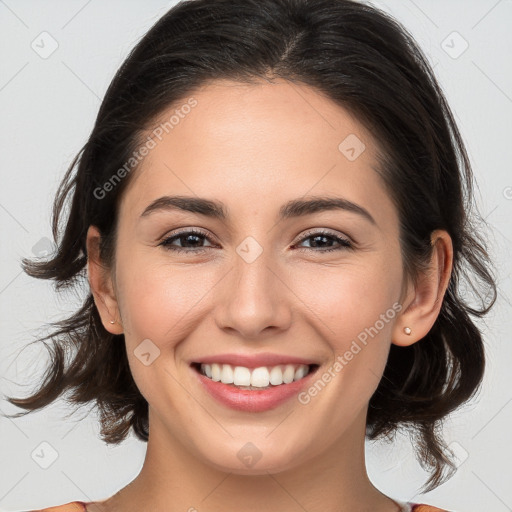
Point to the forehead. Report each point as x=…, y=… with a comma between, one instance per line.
x=248, y=144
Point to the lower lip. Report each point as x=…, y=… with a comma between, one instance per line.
x=253, y=400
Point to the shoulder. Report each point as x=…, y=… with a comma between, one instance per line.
x=420, y=507
x=74, y=506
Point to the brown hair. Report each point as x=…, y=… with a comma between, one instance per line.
x=366, y=62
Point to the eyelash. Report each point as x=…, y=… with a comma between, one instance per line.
x=344, y=243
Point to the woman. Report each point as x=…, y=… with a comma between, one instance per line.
x=273, y=212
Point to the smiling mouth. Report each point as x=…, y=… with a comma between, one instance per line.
x=261, y=378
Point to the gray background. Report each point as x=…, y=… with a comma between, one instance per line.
x=48, y=105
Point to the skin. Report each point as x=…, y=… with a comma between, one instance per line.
x=255, y=147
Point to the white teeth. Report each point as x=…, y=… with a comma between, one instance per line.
x=260, y=377
x=227, y=374
x=241, y=376
x=216, y=372
x=300, y=372
x=288, y=374
x=276, y=376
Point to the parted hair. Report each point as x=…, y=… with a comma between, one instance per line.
x=368, y=63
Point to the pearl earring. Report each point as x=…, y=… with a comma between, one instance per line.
x=112, y=321
x=407, y=330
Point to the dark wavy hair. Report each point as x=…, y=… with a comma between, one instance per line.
x=363, y=60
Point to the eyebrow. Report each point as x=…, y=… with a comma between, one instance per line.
x=294, y=208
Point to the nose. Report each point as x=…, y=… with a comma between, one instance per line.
x=254, y=299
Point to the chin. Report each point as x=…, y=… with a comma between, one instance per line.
x=248, y=459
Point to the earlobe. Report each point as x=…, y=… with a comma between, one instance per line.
x=426, y=297
x=100, y=282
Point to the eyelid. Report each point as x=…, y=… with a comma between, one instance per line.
x=344, y=242
x=325, y=231
x=200, y=231
x=185, y=231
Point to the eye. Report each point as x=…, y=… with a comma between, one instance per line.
x=192, y=236
x=195, y=237
x=320, y=238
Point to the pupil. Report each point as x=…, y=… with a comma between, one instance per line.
x=321, y=237
x=189, y=237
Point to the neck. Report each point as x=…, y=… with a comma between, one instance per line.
x=173, y=479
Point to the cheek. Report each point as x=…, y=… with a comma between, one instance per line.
x=159, y=303
x=156, y=299
x=348, y=298
x=354, y=308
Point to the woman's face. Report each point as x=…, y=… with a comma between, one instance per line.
x=268, y=278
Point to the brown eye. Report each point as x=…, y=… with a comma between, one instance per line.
x=186, y=238
x=320, y=238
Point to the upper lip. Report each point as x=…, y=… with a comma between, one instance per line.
x=254, y=360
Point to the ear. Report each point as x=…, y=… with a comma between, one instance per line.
x=424, y=300
x=100, y=281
